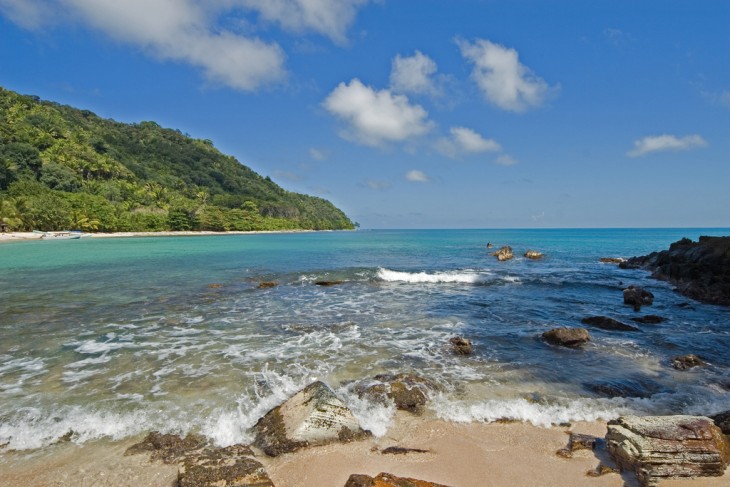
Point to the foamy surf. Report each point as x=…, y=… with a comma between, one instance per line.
x=462, y=277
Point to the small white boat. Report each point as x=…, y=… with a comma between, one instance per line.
x=65, y=235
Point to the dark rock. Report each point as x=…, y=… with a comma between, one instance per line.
x=489, y=245
x=628, y=387
x=612, y=260
x=657, y=447
x=504, y=253
x=461, y=346
x=699, y=270
x=534, y=255
x=399, y=450
x=722, y=421
x=648, y=319
x=685, y=362
x=167, y=448
x=605, y=323
x=387, y=480
x=409, y=392
x=567, y=337
x=637, y=297
x=312, y=416
x=267, y=284
x=230, y=466
x=328, y=283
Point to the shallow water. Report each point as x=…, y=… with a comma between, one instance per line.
x=112, y=337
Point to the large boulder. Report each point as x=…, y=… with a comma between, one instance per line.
x=408, y=392
x=312, y=416
x=699, y=270
x=656, y=447
x=387, y=480
x=504, y=253
x=637, y=297
x=567, y=337
x=605, y=323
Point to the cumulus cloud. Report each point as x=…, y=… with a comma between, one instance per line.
x=465, y=141
x=659, y=143
x=416, y=176
x=413, y=74
x=503, y=80
x=376, y=117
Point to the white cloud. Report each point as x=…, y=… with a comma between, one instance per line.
x=465, y=141
x=413, y=74
x=659, y=143
x=376, y=117
x=504, y=81
x=29, y=14
x=317, y=154
x=505, y=160
x=416, y=176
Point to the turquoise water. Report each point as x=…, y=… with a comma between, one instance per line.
x=113, y=337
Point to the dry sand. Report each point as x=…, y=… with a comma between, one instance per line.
x=19, y=236
x=460, y=455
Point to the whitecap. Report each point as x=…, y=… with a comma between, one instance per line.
x=462, y=277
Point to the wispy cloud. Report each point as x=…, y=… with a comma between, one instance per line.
x=376, y=117
x=505, y=160
x=288, y=175
x=503, y=80
x=416, y=176
x=661, y=143
x=318, y=154
x=414, y=74
x=378, y=185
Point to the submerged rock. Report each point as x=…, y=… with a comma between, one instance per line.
x=167, y=448
x=504, y=253
x=605, y=323
x=220, y=467
x=649, y=319
x=408, y=392
x=461, y=346
x=637, y=297
x=399, y=450
x=267, y=284
x=567, y=337
x=627, y=387
x=700, y=270
x=312, y=416
x=684, y=362
x=328, y=283
x=387, y=480
x=534, y=255
x=656, y=447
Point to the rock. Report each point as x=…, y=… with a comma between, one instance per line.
x=722, y=421
x=312, y=416
x=637, y=297
x=684, y=362
x=461, y=346
x=612, y=260
x=215, y=286
x=605, y=323
x=626, y=387
x=328, y=283
x=601, y=470
x=220, y=467
x=167, y=448
x=534, y=255
x=399, y=450
x=504, y=253
x=649, y=319
x=409, y=392
x=577, y=442
x=699, y=270
x=489, y=245
x=267, y=284
x=387, y=480
x=567, y=337
x=657, y=447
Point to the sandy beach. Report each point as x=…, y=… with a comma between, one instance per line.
x=463, y=455
x=19, y=236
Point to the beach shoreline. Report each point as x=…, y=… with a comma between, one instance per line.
x=459, y=455
x=23, y=236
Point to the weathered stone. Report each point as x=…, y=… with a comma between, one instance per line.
x=223, y=467
x=684, y=362
x=699, y=270
x=399, y=450
x=328, y=283
x=567, y=337
x=637, y=297
x=722, y=420
x=461, y=346
x=579, y=441
x=167, y=448
x=656, y=447
x=504, y=253
x=408, y=392
x=267, y=284
x=387, y=480
x=648, y=319
x=313, y=416
x=534, y=255
x=612, y=260
x=605, y=323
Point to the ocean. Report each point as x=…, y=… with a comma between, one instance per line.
x=115, y=337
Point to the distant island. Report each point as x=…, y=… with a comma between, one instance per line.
x=65, y=168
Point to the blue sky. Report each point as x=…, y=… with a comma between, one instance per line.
x=417, y=114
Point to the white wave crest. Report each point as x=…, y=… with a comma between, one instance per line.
x=463, y=276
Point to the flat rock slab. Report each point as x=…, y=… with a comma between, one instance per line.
x=223, y=467
x=313, y=416
x=656, y=447
x=387, y=480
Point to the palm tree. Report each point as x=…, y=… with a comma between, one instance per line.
x=10, y=215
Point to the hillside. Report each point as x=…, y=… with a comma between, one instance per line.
x=65, y=168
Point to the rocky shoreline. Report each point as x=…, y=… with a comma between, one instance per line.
x=699, y=270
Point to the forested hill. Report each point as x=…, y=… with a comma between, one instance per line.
x=65, y=168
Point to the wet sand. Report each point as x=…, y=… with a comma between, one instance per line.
x=460, y=455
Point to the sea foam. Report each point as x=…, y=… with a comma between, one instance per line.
x=464, y=276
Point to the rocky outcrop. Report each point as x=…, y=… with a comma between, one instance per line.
x=534, y=255
x=504, y=253
x=408, y=392
x=567, y=337
x=637, y=297
x=684, y=362
x=699, y=270
x=313, y=416
x=722, y=421
x=387, y=480
x=606, y=323
x=230, y=466
x=649, y=319
x=461, y=346
x=656, y=447
x=612, y=260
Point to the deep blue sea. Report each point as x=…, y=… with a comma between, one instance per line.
x=114, y=337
